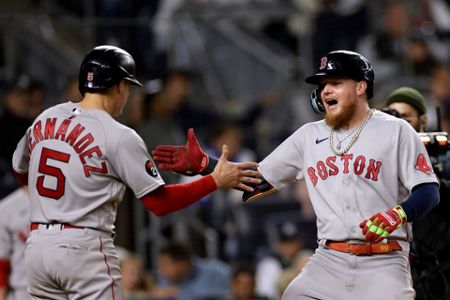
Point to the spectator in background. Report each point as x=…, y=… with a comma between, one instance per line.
x=218, y=213
x=162, y=100
x=410, y=104
x=290, y=273
x=14, y=229
x=190, y=114
x=182, y=276
x=243, y=284
x=14, y=122
x=335, y=18
x=419, y=58
x=230, y=134
x=386, y=47
x=36, y=99
x=439, y=89
x=266, y=128
x=71, y=91
x=136, y=284
x=281, y=257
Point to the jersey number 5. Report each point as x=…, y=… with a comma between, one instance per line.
x=45, y=169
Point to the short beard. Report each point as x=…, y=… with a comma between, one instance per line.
x=346, y=114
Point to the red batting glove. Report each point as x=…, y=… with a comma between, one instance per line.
x=381, y=225
x=189, y=159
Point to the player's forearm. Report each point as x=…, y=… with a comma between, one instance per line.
x=423, y=198
x=170, y=198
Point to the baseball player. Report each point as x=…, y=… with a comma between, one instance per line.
x=77, y=161
x=14, y=228
x=368, y=176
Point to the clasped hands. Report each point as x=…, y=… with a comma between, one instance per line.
x=190, y=159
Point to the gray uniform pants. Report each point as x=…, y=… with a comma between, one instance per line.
x=334, y=275
x=72, y=264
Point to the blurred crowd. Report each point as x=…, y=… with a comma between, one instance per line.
x=262, y=246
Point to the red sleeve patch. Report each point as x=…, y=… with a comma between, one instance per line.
x=422, y=164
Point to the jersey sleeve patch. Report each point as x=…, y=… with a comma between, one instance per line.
x=151, y=169
x=422, y=164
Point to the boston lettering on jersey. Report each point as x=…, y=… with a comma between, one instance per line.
x=332, y=166
x=74, y=138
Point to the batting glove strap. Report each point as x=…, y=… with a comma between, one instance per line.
x=381, y=225
x=401, y=213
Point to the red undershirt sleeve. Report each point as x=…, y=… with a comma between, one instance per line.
x=22, y=178
x=4, y=272
x=173, y=197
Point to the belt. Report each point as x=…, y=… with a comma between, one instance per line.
x=364, y=249
x=35, y=226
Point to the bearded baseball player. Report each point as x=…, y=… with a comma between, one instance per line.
x=77, y=161
x=368, y=176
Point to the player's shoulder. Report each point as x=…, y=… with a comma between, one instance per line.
x=116, y=128
x=315, y=124
x=114, y=131
x=389, y=120
x=313, y=127
x=378, y=114
x=56, y=109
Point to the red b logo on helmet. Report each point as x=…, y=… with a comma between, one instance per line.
x=323, y=63
x=90, y=76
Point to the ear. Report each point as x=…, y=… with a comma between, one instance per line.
x=361, y=88
x=122, y=85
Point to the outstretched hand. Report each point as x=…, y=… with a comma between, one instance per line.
x=235, y=175
x=189, y=159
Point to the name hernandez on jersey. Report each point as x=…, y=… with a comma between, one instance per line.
x=76, y=138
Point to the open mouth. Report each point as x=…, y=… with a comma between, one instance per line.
x=331, y=103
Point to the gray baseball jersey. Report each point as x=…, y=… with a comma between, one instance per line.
x=14, y=229
x=79, y=163
x=377, y=173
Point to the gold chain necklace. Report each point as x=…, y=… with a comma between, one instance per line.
x=339, y=144
x=355, y=136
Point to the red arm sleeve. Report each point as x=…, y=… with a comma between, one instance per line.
x=22, y=178
x=170, y=198
x=4, y=272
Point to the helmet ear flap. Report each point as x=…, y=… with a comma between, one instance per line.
x=316, y=102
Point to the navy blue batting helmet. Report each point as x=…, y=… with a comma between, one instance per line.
x=348, y=64
x=104, y=66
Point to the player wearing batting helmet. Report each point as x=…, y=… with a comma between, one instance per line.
x=77, y=161
x=368, y=176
